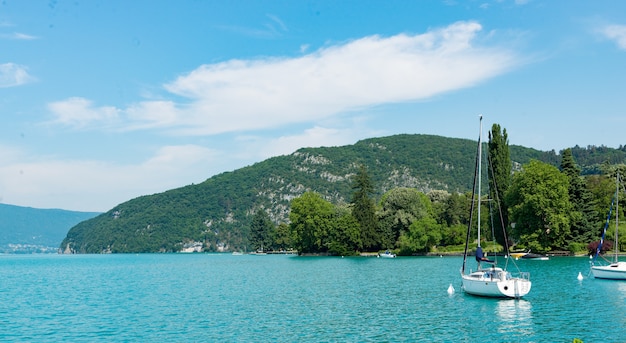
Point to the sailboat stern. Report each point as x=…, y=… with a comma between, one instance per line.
x=515, y=287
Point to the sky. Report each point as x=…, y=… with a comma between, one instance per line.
x=105, y=101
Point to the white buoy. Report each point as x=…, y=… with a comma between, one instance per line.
x=450, y=289
x=580, y=276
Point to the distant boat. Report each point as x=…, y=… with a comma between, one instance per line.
x=489, y=281
x=387, y=254
x=616, y=270
x=237, y=253
x=260, y=251
x=529, y=256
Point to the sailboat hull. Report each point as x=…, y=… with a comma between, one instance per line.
x=614, y=271
x=495, y=283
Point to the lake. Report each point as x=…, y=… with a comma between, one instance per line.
x=286, y=298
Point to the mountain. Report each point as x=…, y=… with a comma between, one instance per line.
x=26, y=229
x=218, y=211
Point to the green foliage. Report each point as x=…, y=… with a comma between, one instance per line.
x=400, y=207
x=499, y=175
x=539, y=206
x=311, y=218
x=219, y=211
x=364, y=211
x=583, y=217
x=345, y=235
x=576, y=248
x=453, y=235
x=261, y=230
x=32, y=226
x=282, y=238
x=423, y=235
x=456, y=209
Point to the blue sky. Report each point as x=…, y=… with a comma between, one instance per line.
x=104, y=101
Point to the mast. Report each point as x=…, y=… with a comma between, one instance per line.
x=616, y=214
x=480, y=143
x=473, y=203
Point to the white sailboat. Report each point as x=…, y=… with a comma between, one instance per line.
x=489, y=281
x=616, y=270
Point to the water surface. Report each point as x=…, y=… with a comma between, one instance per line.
x=283, y=298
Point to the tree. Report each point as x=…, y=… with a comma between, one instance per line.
x=499, y=174
x=400, y=207
x=345, y=235
x=261, y=230
x=311, y=218
x=456, y=209
x=583, y=215
x=282, y=237
x=423, y=234
x=364, y=211
x=538, y=202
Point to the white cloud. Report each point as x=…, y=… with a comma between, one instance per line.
x=46, y=182
x=12, y=75
x=80, y=113
x=17, y=36
x=247, y=95
x=152, y=114
x=616, y=33
x=258, y=94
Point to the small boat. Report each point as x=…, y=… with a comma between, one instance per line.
x=490, y=280
x=616, y=270
x=387, y=254
x=533, y=256
x=529, y=256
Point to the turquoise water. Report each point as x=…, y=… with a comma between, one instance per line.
x=219, y=297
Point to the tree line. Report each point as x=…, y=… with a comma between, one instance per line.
x=543, y=208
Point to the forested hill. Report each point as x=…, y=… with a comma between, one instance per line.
x=26, y=229
x=218, y=211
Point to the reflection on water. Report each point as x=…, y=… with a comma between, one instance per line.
x=515, y=317
x=621, y=287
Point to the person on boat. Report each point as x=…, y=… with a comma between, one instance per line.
x=480, y=256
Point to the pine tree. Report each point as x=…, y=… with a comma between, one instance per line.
x=364, y=211
x=583, y=213
x=261, y=230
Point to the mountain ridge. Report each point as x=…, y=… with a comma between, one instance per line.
x=28, y=229
x=217, y=211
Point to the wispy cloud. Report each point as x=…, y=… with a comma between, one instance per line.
x=80, y=113
x=276, y=21
x=12, y=75
x=17, y=36
x=616, y=33
x=246, y=95
x=275, y=27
